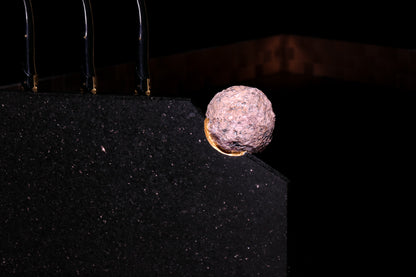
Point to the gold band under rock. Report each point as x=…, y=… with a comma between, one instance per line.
x=215, y=146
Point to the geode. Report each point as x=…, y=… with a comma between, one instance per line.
x=240, y=119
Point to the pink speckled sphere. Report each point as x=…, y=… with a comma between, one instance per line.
x=240, y=118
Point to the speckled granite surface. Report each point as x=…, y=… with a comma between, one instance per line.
x=129, y=186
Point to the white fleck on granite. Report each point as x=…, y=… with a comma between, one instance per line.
x=241, y=118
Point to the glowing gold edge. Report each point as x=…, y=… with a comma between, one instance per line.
x=215, y=146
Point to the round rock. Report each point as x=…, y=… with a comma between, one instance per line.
x=240, y=118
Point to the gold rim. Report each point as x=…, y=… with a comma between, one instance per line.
x=215, y=146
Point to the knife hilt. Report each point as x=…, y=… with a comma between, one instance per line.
x=30, y=81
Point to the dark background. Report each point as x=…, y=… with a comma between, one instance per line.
x=180, y=26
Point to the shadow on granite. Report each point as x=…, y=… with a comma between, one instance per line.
x=129, y=186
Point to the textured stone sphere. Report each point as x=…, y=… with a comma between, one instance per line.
x=240, y=118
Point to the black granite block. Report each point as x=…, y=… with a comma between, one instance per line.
x=129, y=186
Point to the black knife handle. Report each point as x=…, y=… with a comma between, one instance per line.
x=142, y=59
x=30, y=82
x=88, y=82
